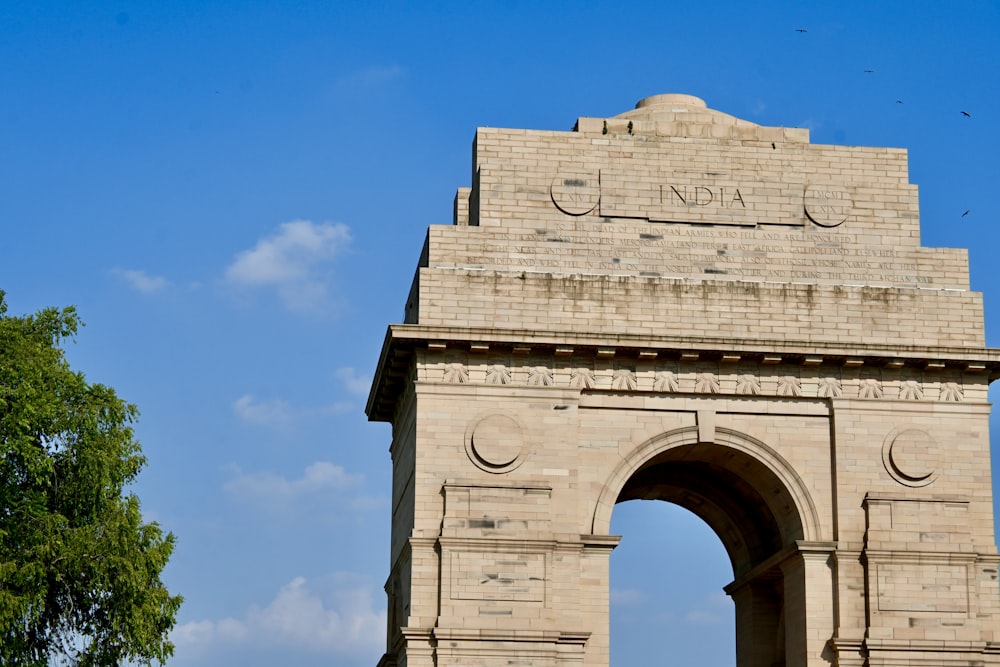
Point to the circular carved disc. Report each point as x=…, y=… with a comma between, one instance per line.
x=828, y=205
x=576, y=193
x=496, y=443
x=911, y=456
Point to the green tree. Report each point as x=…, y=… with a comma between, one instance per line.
x=79, y=570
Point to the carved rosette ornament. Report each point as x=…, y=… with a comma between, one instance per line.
x=870, y=388
x=910, y=390
x=706, y=383
x=789, y=385
x=456, y=374
x=952, y=392
x=540, y=376
x=830, y=388
x=582, y=378
x=497, y=374
x=747, y=384
x=665, y=381
x=623, y=380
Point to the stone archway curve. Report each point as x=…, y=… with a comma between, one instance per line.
x=744, y=444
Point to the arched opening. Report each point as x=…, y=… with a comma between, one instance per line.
x=755, y=505
x=667, y=604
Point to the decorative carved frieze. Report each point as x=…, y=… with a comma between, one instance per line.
x=870, y=388
x=652, y=374
x=789, y=385
x=497, y=374
x=706, y=383
x=582, y=378
x=952, y=391
x=623, y=380
x=539, y=376
x=665, y=381
x=747, y=384
x=911, y=390
x=455, y=373
x=829, y=387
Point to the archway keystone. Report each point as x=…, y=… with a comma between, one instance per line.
x=680, y=305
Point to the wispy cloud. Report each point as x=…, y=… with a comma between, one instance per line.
x=318, y=477
x=274, y=413
x=292, y=262
x=715, y=609
x=626, y=597
x=281, y=415
x=335, y=616
x=325, y=492
x=336, y=408
x=141, y=281
x=354, y=383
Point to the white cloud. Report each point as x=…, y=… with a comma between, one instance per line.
x=204, y=632
x=269, y=487
x=337, y=408
x=715, y=609
x=622, y=597
x=702, y=617
x=274, y=413
x=354, y=383
x=279, y=414
x=291, y=262
x=335, y=616
x=141, y=281
x=325, y=492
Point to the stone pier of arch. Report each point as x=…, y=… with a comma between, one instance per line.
x=677, y=304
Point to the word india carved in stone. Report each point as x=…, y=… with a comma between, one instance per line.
x=701, y=195
x=656, y=198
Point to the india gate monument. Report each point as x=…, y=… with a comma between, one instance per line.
x=676, y=304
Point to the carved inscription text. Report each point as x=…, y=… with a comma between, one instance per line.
x=683, y=250
x=701, y=195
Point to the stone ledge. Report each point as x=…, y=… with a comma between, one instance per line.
x=403, y=340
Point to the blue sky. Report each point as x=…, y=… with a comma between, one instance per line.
x=234, y=195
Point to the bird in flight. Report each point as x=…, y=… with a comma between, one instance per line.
x=966, y=213
x=869, y=71
x=801, y=30
x=899, y=101
x=967, y=114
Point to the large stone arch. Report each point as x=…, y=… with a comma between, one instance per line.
x=757, y=505
x=786, y=497
x=674, y=303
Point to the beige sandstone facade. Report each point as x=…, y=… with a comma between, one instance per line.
x=678, y=304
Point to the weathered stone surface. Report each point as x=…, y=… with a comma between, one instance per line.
x=677, y=304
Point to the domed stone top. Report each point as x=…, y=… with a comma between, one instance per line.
x=684, y=108
x=675, y=101
x=678, y=115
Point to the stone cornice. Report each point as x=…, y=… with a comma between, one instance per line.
x=402, y=340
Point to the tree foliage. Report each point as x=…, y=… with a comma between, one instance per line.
x=79, y=570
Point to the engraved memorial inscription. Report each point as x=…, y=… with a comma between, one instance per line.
x=827, y=205
x=575, y=193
